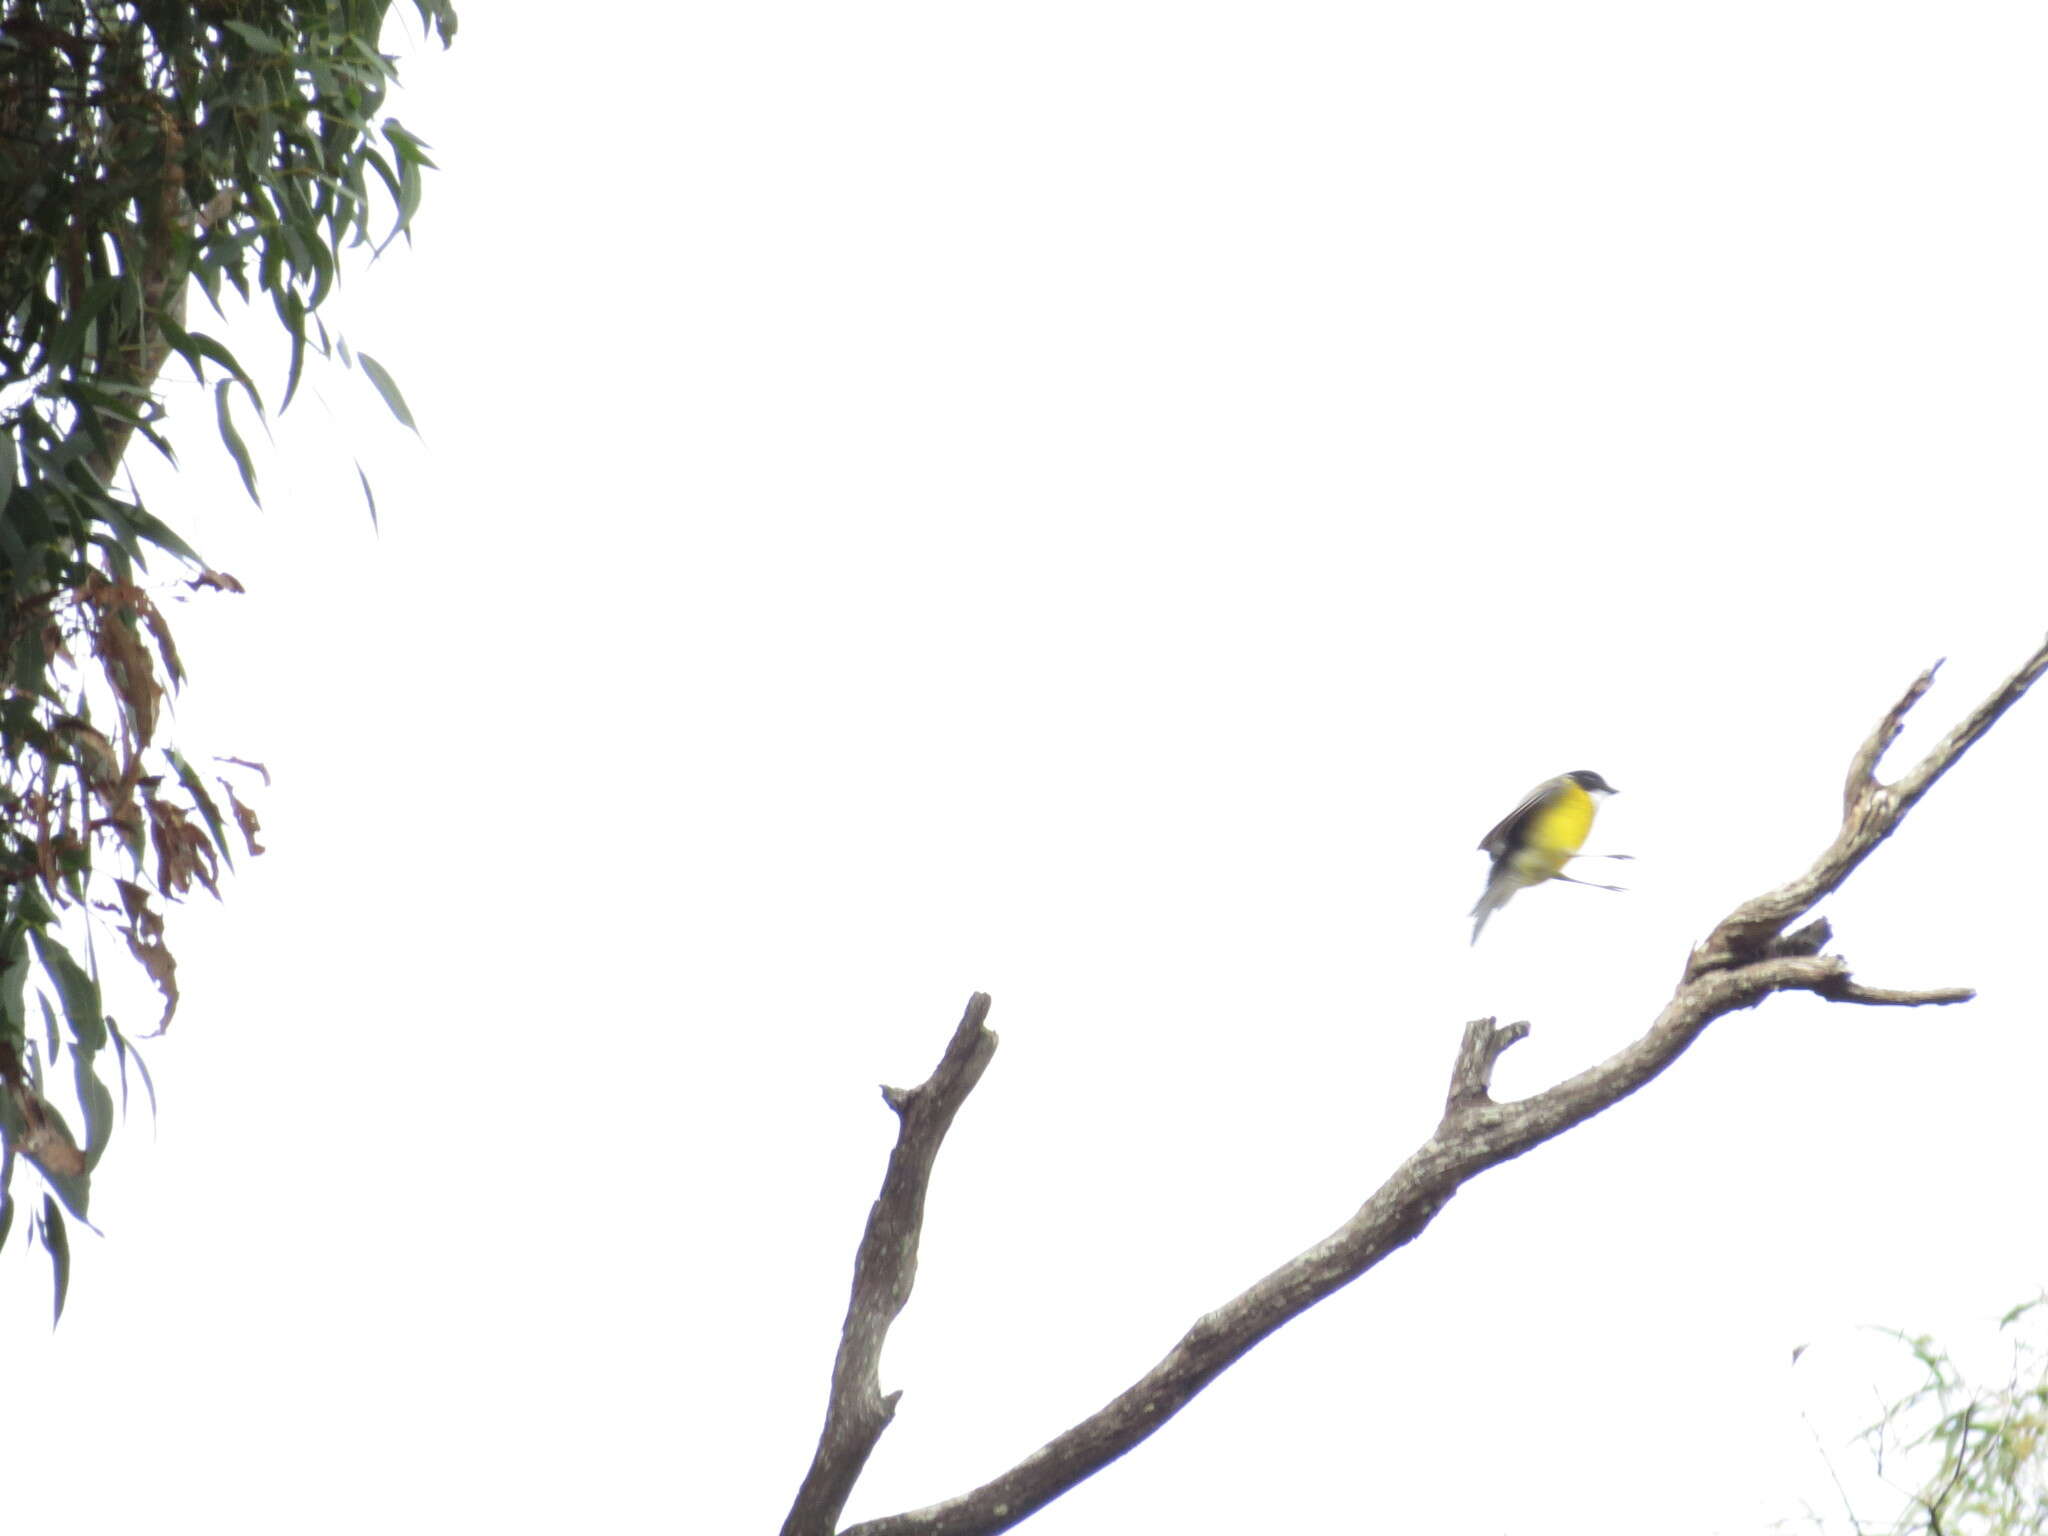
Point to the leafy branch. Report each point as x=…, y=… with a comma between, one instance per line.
x=145, y=146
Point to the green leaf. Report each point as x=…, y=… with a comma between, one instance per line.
x=389, y=177
x=291, y=309
x=97, y=1102
x=196, y=788
x=14, y=982
x=255, y=37
x=388, y=388
x=11, y=547
x=64, y=349
x=441, y=13
x=412, y=157
x=321, y=261
x=193, y=345
x=2021, y=1311
x=60, y=1254
x=153, y=529
x=369, y=495
x=408, y=144
x=232, y=440
x=49, y=1027
x=80, y=995
x=125, y=1051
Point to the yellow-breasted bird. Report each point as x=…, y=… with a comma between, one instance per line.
x=1542, y=835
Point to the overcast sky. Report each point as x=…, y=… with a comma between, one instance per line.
x=1105, y=504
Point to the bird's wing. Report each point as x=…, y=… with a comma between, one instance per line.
x=1504, y=837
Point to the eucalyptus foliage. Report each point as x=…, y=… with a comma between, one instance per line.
x=1987, y=1441
x=1960, y=1454
x=147, y=149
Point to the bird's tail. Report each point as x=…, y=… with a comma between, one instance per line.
x=1498, y=890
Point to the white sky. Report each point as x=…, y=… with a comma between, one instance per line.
x=1104, y=504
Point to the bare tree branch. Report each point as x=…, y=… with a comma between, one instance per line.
x=884, y=1269
x=1870, y=813
x=1848, y=991
x=1863, y=766
x=1478, y=1053
x=1748, y=956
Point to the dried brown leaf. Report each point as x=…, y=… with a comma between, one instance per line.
x=182, y=850
x=243, y=762
x=102, y=764
x=127, y=815
x=135, y=904
x=44, y=1140
x=128, y=668
x=162, y=965
x=245, y=818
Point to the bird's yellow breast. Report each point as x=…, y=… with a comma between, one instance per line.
x=1556, y=832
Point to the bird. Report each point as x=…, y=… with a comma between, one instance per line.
x=1539, y=837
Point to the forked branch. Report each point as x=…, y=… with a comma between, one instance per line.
x=1871, y=812
x=1748, y=956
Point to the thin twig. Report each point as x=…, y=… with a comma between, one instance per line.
x=1863, y=766
x=1478, y=1053
x=1848, y=1507
x=1851, y=991
x=1962, y=1460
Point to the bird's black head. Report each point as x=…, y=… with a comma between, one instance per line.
x=1591, y=782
